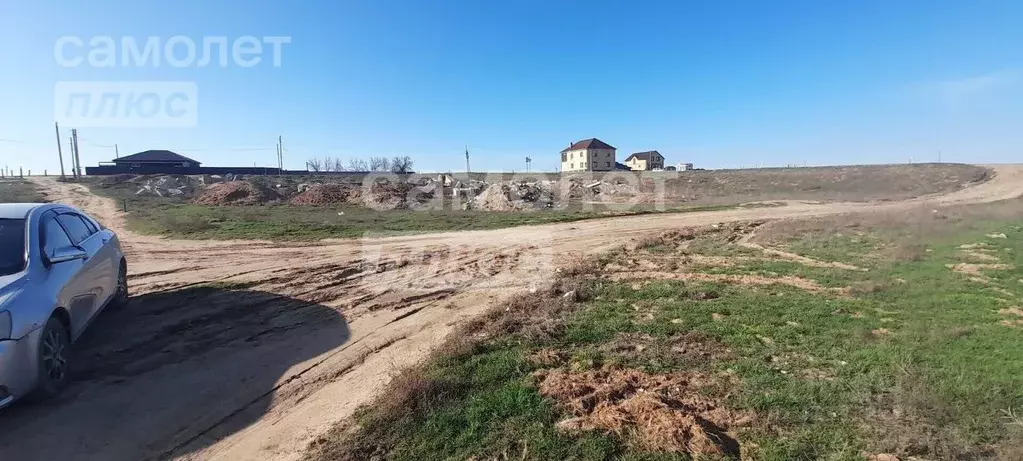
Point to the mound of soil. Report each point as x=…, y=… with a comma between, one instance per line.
x=236, y=193
x=664, y=412
x=328, y=194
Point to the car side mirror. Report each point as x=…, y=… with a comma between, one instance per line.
x=68, y=253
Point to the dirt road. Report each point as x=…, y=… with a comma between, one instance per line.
x=293, y=337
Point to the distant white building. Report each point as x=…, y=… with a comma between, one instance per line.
x=588, y=155
x=685, y=166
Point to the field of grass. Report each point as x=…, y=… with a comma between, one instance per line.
x=855, y=183
x=689, y=191
x=911, y=348
x=180, y=219
x=19, y=191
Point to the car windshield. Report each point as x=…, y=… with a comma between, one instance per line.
x=12, y=246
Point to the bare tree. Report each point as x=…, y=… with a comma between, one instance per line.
x=338, y=164
x=358, y=164
x=379, y=164
x=314, y=164
x=401, y=164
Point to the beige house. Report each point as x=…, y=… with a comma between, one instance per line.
x=645, y=161
x=588, y=155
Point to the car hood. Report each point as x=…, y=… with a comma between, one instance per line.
x=9, y=284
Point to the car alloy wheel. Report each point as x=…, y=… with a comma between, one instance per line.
x=54, y=355
x=122, y=286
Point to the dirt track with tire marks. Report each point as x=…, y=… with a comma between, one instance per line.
x=290, y=338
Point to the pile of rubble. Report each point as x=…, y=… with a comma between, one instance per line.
x=586, y=189
x=326, y=194
x=544, y=194
x=515, y=196
x=166, y=186
x=236, y=193
x=382, y=193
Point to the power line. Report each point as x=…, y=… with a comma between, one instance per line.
x=18, y=141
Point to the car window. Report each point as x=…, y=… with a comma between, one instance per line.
x=75, y=227
x=88, y=223
x=12, y=246
x=53, y=236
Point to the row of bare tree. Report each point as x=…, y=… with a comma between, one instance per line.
x=398, y=164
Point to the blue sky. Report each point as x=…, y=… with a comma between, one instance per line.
x=725, y=83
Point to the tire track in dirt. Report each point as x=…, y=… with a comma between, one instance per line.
x=336, y=319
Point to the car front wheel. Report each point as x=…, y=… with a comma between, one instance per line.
x=121, y=296
x=54, y=353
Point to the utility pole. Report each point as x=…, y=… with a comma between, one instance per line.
x=939, y=156
x=71, y=152
x=117, y=152
x=60, y=155
x=467, y=170
x=78, y=158
x=280, y=154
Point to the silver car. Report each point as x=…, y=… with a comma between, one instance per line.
x=58, y=269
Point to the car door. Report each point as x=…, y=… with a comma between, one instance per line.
x=96, y=271
x=66, y=279
x=108, y=256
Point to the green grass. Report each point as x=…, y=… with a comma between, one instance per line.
x=823, y=380
x=180, y=219
x=19, y=191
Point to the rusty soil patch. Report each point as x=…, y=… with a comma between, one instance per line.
x=663, y=412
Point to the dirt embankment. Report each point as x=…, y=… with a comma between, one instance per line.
x=291, y=338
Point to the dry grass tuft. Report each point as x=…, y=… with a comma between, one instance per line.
x=919, y=422
x=869, y=287
x=659, y=412
x=909, y=252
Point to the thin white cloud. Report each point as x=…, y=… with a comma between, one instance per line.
x=960, y=90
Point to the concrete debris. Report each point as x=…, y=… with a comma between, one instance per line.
x=166, y=186
x=515, y=196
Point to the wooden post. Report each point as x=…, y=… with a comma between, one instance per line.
x=60, y=155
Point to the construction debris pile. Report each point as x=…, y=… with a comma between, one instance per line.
x=168, y=186
x=442, y=191
x=156, y=185
x=515, y=196
x=237, y=193
x=326, y=194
